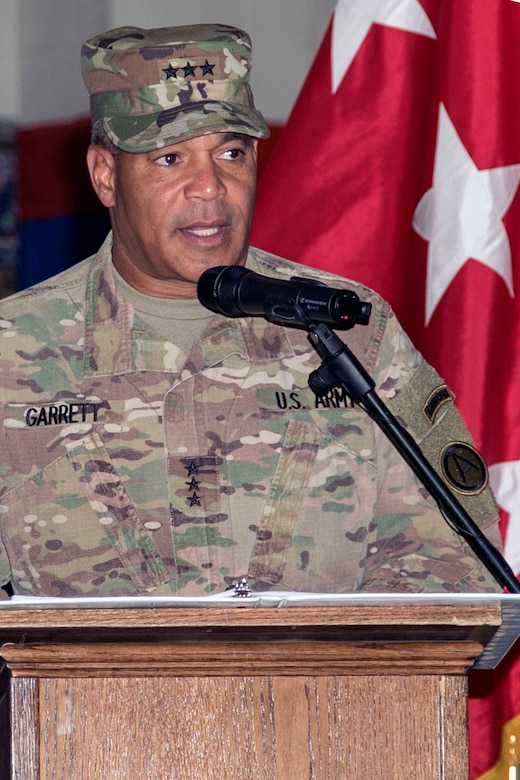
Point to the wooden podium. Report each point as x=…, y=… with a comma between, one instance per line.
x=367, y=689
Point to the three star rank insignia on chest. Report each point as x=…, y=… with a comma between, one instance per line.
x=193, y=485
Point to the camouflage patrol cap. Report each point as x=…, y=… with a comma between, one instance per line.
x=152, y=88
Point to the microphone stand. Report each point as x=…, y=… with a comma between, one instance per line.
x=341, y=367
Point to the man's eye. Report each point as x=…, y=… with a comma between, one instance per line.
x=167, y=159
x=233, y=154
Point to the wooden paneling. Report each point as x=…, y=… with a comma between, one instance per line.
x=242, y=693
x=263, y=728
x=5, y=721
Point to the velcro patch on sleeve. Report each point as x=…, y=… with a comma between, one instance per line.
x=464, y=468
x=425, y=406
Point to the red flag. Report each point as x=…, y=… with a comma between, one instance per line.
x=400, y=167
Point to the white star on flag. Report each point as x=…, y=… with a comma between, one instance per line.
x=505, y=481
x=353, y=19
x=461, y=215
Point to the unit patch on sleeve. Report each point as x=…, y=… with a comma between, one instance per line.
x=463, y=468
x=438, y=398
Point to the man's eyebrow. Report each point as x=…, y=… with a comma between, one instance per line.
x=231, y=136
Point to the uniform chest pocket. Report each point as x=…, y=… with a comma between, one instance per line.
x=313, y=532
x=70, y=526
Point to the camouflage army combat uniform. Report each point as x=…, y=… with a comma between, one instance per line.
x=130, y=469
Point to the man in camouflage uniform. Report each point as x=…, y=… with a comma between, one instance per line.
x=152, y=447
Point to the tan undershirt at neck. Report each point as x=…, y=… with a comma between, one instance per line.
x=178, y=320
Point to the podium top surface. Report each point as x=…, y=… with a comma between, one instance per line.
x=491, y=619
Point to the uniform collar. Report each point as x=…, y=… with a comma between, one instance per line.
x=115, y=343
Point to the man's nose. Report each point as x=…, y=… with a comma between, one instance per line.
x=205, y=181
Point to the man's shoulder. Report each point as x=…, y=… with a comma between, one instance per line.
x=272, y=265
x=67, y=284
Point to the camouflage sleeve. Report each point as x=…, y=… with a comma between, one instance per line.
x=5, y=571
x=418, y=550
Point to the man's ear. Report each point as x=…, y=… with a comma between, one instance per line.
x=102, y=169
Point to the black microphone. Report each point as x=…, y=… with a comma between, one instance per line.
x=236, y=292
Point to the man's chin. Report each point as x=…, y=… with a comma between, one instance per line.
x=217, y=261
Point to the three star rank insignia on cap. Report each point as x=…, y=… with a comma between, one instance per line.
x=206, y=69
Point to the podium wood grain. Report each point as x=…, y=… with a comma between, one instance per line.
x=243, y=694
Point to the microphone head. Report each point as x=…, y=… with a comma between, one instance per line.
x=216, y=289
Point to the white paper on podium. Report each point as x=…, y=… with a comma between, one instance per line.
x=272, y=598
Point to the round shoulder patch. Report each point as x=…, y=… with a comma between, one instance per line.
x=463, y=468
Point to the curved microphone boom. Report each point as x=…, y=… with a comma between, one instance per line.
x=237, y=292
